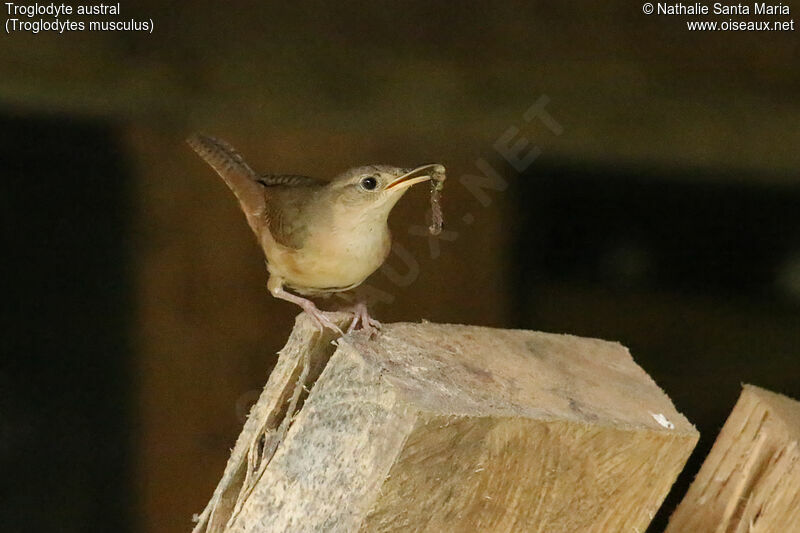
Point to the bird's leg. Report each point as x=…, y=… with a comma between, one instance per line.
x=321, y=319
x=361, y=315
x=275, y=285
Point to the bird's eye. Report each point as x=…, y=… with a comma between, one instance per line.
x=369, y=183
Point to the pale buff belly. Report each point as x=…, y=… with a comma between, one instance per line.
x=332, y=264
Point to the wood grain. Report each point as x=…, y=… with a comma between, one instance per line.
x=431, y=427
x=750, y=482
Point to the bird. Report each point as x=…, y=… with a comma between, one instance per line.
x=319, y=237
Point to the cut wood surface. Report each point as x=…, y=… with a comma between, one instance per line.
x=430, y=427
x=750, y=482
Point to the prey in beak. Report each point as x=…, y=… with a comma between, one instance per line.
x=414, y=176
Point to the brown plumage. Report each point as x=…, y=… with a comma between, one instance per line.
x=319, y=236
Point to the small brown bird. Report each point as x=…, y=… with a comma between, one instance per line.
x=320, y=237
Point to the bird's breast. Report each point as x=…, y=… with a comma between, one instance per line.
x=331, y=261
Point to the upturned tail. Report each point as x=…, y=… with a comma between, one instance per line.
x=231, y=167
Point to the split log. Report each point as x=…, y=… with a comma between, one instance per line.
x=750, y=482
x=430, y=427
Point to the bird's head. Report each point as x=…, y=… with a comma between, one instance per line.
x=376, y=188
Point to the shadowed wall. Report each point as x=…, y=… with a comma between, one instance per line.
x=317, y=87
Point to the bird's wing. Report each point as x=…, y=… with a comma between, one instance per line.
x=287, y=211
x=235, y=172
x=288, y=196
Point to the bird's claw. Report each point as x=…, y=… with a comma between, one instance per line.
x=326, y=322
x=361, y=316
x=321, y=320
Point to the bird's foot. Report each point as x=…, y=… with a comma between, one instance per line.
x=361, y=316
x=320, y=319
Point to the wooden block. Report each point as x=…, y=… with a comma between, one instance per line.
x=750, y=482
x=439, y=428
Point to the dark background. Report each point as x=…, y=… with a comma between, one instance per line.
x=664, y=213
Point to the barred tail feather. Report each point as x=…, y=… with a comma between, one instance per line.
x=232, y=168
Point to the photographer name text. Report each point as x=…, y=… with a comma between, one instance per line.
x=718, y=8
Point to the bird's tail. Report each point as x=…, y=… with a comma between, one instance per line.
x=232, y=168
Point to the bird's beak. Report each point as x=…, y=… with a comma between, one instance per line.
x=417, y=175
